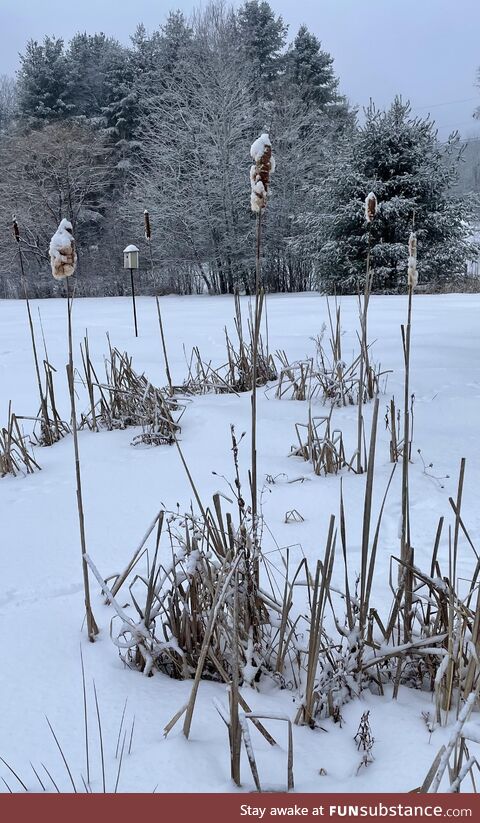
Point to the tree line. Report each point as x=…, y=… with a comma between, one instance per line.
x=97, y=131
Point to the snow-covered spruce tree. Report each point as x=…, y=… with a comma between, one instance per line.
x=42, y=81
x=262, y=38
x=89, y=60
x=310, y=70
x=309, y=119
x=399, y=157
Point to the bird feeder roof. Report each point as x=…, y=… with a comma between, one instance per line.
x=131, y=247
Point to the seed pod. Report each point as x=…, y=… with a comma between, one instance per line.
x=16, y=231
x=63, y=256
x=412, y=245
x=370, y=207
x=146, y=219
x=412, y=273
x=264, y=166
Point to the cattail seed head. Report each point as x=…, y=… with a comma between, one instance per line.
x=16, y=230
x=412, y=245
x=370, y=206
x=63, y=256
x=146, y=219
x=260, y=171
x=412, y=273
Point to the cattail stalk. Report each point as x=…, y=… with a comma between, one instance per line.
x=92, y=628
x=370, y=211
x=63, y=258
x=263, y=166
x=148, y=238
x=256, y=333
x=406, y=336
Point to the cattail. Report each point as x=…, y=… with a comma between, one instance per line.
x=146, y=219
x=370, y=207
x=63, y=256
x=412, y=260
x=16, y=230
x=260, y=171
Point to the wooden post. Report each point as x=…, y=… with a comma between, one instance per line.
x=134, y=305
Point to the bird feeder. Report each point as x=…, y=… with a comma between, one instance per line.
x=130, y=261
x=130, y=257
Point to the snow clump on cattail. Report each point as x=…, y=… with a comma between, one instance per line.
x=412, y=260
x=370, y=207
x=63, y=256
x=260, y=171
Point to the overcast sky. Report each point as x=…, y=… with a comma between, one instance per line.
x=426, y=50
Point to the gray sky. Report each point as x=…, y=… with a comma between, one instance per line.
x=426, y=50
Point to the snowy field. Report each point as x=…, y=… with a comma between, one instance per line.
x=41, y=601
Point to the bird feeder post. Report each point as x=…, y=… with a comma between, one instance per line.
x=130, y=261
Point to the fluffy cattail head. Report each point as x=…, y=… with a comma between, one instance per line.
x=146, y=219
x=63, y=256
x=370, y=207
x=16, y=231
x=412, y=245
x=412, y=260
x=260, y=171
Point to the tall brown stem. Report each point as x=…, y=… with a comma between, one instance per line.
x=405, y=532
x=363, y=358
x=92, y=628
x=256, y=333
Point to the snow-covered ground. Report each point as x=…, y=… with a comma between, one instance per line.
x=41, y=602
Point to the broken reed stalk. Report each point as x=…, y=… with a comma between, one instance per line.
x=235, y=729
x=43, y=402
x=92, y=628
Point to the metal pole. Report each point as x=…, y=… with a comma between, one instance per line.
x=134, y=306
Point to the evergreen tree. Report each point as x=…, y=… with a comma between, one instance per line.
x=176, y=37
x=262, y=40
x=42, y=80
x=310, y=70
x=399, y=158
x=90, y=58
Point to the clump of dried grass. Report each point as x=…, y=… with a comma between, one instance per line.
x=15, y=457
x=393, y=424
x=321, y=445
x=236, y=374
x=49, y=427
x=326, y=376
x=126, y=399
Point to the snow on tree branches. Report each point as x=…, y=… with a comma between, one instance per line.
x=412, y=260
x=63, y=257
x=370, y=207
x=260, y=171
